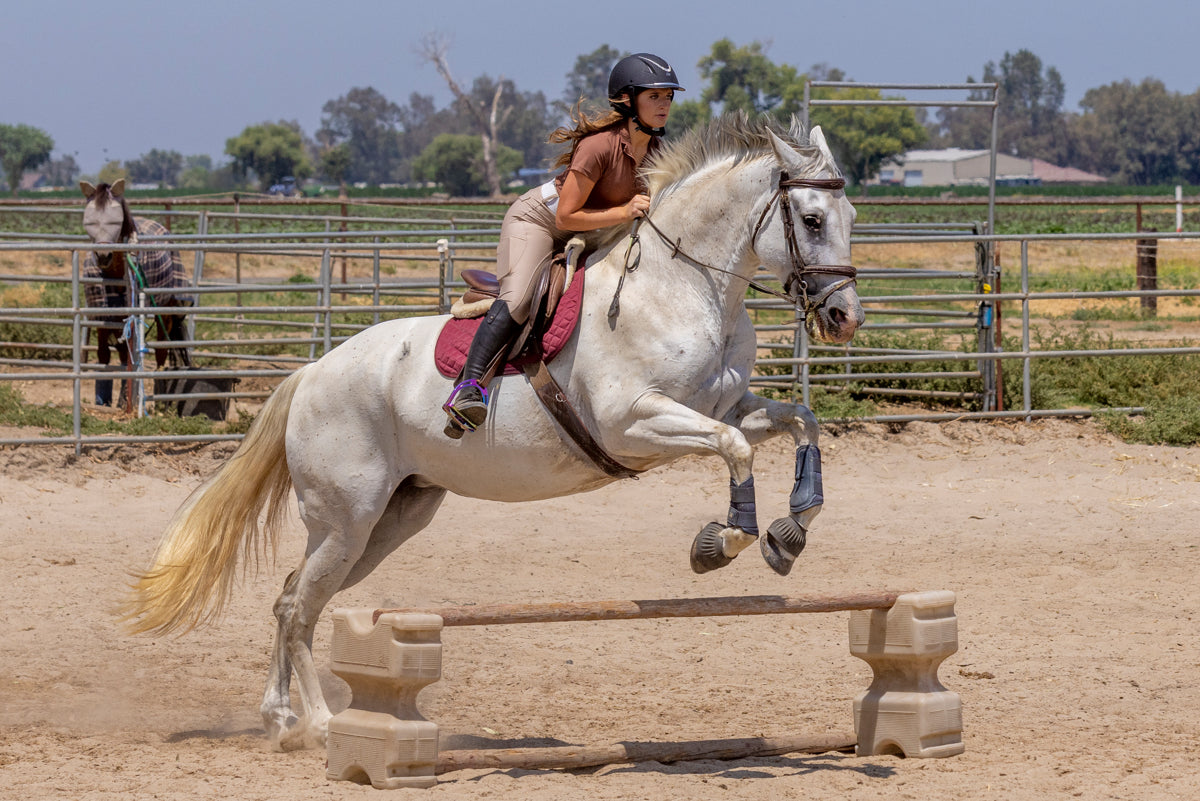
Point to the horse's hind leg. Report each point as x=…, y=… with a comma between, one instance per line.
x=339, y=560
x=332, y=552
x=276, y=708
x=172, y=328
x=409, y=511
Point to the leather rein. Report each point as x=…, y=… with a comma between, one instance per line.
x=800, y=268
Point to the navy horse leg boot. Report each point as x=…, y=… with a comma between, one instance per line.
x=467, y=405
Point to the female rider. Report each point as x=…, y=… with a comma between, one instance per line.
x=599, y=189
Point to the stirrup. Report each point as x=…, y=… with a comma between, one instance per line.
x=453, y=413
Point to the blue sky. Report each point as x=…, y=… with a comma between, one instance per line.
x=111, y=80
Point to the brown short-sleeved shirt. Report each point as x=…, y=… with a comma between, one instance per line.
x=606, y=159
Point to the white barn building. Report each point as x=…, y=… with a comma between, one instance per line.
x=957, y=166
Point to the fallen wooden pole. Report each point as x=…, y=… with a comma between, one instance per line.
x=500, y=614
x=568, y=757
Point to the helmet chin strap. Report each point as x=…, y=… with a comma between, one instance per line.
x=627, y=111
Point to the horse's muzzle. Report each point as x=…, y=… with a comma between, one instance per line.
x=839, y=317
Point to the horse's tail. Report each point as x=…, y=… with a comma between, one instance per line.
x=195, y=566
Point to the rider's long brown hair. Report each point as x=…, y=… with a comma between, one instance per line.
x=584, y=125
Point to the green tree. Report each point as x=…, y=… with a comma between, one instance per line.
x=158, y=166
x=526, y=122
x=863, y=137
x=22, y=148
x=202, y=160
x=1189, y=148
x=335, y=164
x=198, y=173
x=1029, y=115
x=686, y=115
x=368, y=124
x=111, y=172
x=588, y=80
x=194, y=178
x=744, y=79
x=62, y=171
x=489, y=116
x=270, y=151
x=422, y=121
x=964, y=127
x=1030, y=95
x=1135, y=133
x=456, y=162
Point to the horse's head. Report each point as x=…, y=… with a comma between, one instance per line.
x=106, y=217
x=806, y=242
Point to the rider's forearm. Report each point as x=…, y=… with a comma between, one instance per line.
x=591, y=219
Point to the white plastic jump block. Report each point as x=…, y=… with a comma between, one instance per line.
x=382, y=737
x=906, y=709
x=387, y=658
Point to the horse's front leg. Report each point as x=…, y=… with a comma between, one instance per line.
x=163, y=329
x=103, y=395
x=670, y=428
x=760, y=419
x=172, y=328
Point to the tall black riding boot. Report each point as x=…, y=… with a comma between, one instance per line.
x=467, y=406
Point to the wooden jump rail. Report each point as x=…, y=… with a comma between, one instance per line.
x=388, y=656
x=575, y=612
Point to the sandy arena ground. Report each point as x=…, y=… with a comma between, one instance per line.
x=1073, y=556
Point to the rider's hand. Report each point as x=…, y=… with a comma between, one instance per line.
x=636, y=207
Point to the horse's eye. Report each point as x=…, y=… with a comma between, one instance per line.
x=812, y=221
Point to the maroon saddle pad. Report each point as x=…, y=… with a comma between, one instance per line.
x=454, y=341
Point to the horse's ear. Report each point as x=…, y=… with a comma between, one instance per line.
x=118, y=187
x=785, y=154
x=817, y=137
x=87, y=189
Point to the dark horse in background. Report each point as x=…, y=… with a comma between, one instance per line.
x=109, y=223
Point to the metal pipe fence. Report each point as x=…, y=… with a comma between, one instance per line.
x=258, y=328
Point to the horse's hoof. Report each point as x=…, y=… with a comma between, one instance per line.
x=293, y=740
x=708, y=549
x=282, y=733
x=784, y=541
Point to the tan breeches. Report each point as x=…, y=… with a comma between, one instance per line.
x=528, y=241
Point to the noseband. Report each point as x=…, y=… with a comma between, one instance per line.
x=800, y=268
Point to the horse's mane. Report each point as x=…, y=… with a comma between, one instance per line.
x=103, y=196
x=733, y=136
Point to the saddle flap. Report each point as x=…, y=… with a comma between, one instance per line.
x=454, y=341
x=546, y=295
x=551, y=287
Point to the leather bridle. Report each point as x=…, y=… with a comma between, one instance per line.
x=800, y=268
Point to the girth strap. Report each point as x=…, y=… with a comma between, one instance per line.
x=559, y=406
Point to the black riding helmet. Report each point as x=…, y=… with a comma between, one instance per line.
x=634, y=73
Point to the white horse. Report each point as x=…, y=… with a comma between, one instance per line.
x=661, y=374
